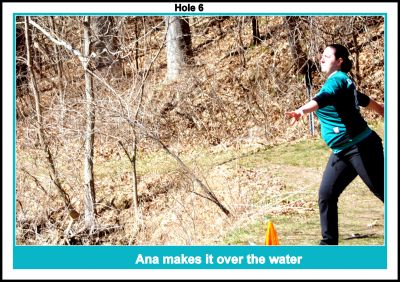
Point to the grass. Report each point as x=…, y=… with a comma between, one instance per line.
x=245, y=235
x=301, y=166
x=278, y=183
x=306, y=153
x=294, y=211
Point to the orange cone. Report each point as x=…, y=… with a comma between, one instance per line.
x=271, y=237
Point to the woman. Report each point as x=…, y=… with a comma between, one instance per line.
x=356, y=149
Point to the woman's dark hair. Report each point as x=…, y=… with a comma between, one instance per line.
x=342, y=52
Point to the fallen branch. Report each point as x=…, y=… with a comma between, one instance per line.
x=209, y=194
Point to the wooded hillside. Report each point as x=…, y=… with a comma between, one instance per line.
x=102, y=100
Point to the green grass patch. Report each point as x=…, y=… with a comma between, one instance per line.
x=311, y=153
x=297, y=168
x=253, y=233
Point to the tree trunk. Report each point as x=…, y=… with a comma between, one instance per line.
x=21, y=67
x=59, y=71
x=58, y=64
x=357, y=54
x=90, y=197
x=240, y=43
x=256, y=31
x=179, y=46
x=41, y=134
x=299, y=57
x=136, y=47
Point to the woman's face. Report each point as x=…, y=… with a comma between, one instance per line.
x=329, y=63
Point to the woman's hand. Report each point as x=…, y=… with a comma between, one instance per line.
x=295, y=115
x=376, y=107
x=311, y=106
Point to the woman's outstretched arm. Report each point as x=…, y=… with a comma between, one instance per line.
x=307, y=108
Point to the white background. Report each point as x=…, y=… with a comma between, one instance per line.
x=151, y=8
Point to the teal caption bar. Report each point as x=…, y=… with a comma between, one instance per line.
x=224, y=257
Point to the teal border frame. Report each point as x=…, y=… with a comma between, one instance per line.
x=124, y=257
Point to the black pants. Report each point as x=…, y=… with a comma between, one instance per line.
x=364, y=159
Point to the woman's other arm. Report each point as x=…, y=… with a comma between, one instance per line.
x=376, y=107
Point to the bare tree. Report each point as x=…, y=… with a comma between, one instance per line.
x=90, y=118
x=21, y=67
x=298, y=54
x=40, y=131
x=241, y=48
x=256, y=31
x=58, y=61
x=179, y=49
x=302, y=63
x=104, y=40
x=90, y=196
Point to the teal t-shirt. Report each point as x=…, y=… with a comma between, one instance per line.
x=339, y=114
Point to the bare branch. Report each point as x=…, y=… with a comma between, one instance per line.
x=60, y=42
